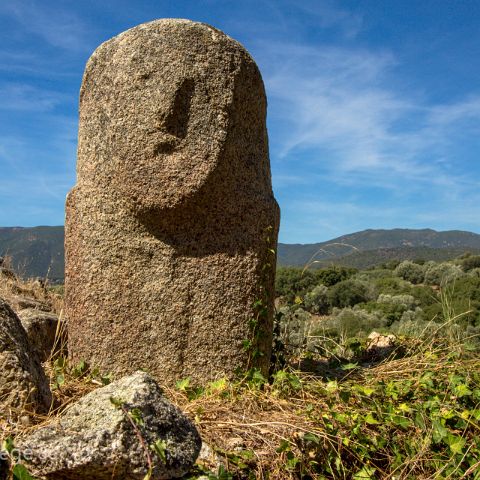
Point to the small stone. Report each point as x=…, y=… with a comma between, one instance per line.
x=23, y=384
x=21, y=303
x=41, y=328
x=379, y=345
x=109, y=434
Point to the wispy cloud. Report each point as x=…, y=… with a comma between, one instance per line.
x=58, y=27
x=22, y=97
x=331, y=15
x=341, y=104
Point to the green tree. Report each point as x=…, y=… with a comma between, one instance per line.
x=412, y=272
x=348, y=293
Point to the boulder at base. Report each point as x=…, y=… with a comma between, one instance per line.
x=23, y=384
x=113, y=433
x=41, y=328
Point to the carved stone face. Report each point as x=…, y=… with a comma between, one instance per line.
x=155, y=112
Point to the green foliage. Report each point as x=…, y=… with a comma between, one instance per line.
x=293, y=282
x=441, y=273
x=411, y=272
x=470, y=262
x=353, y=322
x=348, y=293
x=20, y=472
x=316, y=301
x=332, y=275
x=294, y=326
x=62, y=369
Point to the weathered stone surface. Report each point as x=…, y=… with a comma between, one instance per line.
x=170, y=225
x=23, y=384
x=41, y=328
x=380, y=346
x=19, y=302
x=108, y=433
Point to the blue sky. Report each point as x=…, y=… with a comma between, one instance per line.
x=374, y=106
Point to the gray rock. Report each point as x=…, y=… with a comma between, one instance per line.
x=19, y=302
x=23, y=384
x=172, y=226
x=108, y=434
x=380, y=346
x=41, y=328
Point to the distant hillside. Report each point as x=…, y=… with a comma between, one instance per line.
x=35, y=252
x=38, y=251
x=370, y=247
x=371, y=258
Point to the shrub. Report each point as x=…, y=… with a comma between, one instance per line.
x=406, y=301
x=441, y=273
x=355, y=322
x=348, y=293
x=391, y=307
x=294, y=326
x=412, y=272
x=293, y=282
x=316, y=301
x=475, y=272
x=470, y=262
x=415, y=327
x=392, y=285
x=332, y=275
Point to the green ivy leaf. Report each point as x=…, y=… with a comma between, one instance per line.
x=439, y=431
x=371, y=420
x=20, y=472
x=183, y=385
x=8, y=445
x=137, y=416
x=462, y=390
x=160, y=449
x=455, y=443
x=366, y=473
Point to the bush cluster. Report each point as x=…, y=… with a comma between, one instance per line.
x=409, y=298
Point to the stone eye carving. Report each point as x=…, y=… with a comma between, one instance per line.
x=174, y=123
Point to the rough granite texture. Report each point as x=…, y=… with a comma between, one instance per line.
x=95, y=438
x=41, y=328
x=170, y=225
x=23, y=384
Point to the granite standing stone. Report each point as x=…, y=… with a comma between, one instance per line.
x=172, y=225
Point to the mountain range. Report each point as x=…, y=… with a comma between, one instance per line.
x=371, y=247
x=38, y=251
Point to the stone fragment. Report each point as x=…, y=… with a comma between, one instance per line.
x=23, y=384
x=20, y=302
x=380, y=346
x=172, y=225
x=114, y=433
x=41, y=328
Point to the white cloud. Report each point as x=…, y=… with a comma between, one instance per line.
x=331, y=15
x=56, y=26
x=342, y=106
x=22, y=97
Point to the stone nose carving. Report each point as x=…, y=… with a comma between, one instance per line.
x=171, y=125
